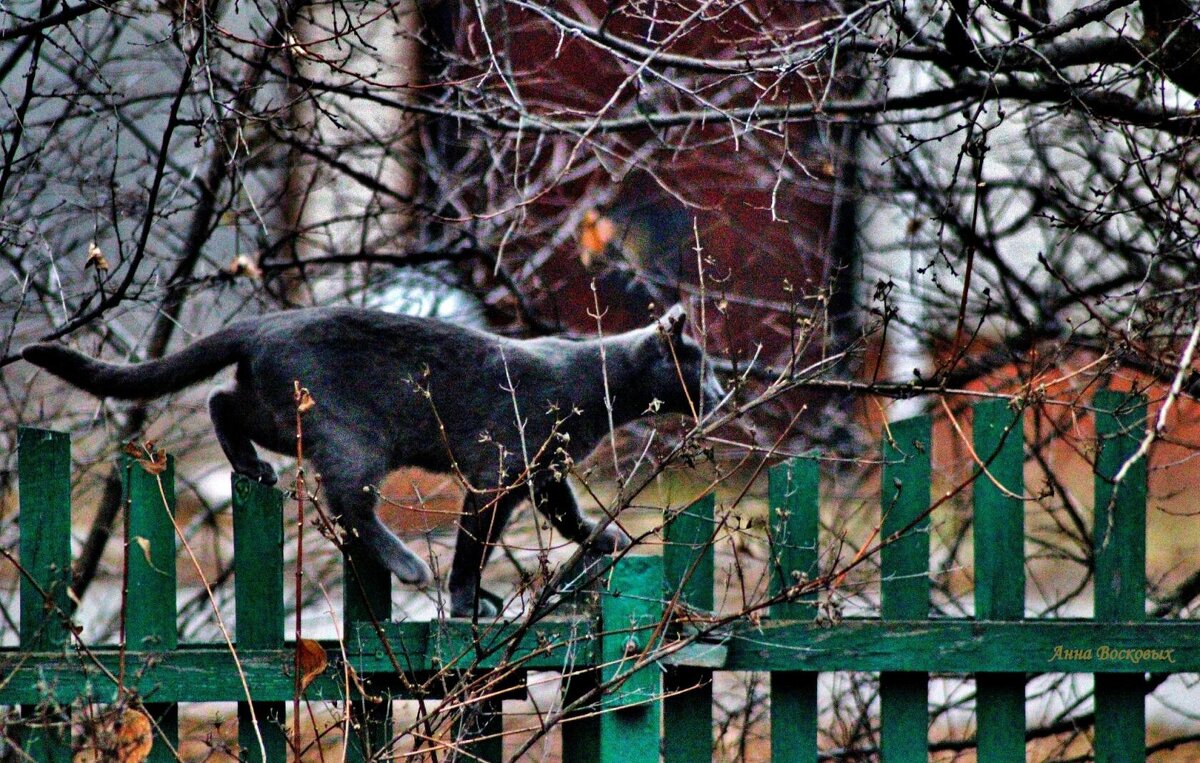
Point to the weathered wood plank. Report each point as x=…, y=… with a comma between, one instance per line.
x=1120, y=543
x=451, y=644
x=581, y=727
x=258, y=605
x=688, y=715
x=44, y=466
x=150, y=613
x=999, y=512
x=904, y=499
x=948, y=646
x=479, y=731
x=688, y=574
x=794, y=716
x=966, y=646
x=688, y=554
x=904, y=716
x=943, y=646
x=999, y=571
x=793, y=499
x=150, y=605
x=367, y=599
x=185, y=675
x=44, y=469
x=631, y=611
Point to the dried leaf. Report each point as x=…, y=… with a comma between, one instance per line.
x=152, y=460
x=311, y=661
x=95, y=258
x=144, y=545
x=155, y=464
x=595, y=234
x=242, y=265
x=135, y=737
x=119, y=736
x=304, y=399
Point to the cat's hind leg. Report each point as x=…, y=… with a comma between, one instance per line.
x=228, y=414
x=348, y=489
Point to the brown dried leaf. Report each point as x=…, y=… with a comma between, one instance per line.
x=152, y=460
x=304, y=400
x=95, y=258
x=311, y=661
x=595, y=234
x=125, y=736
x=135, y=737
x=155, y=463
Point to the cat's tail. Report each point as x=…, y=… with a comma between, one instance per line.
x=140, y=380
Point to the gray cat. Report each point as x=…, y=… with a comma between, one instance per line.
x=395, y=391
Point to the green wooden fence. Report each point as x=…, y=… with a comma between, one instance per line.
x=633, y=683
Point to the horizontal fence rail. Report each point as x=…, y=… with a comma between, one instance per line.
x=653, y=642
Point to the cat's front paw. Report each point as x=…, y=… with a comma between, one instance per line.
x=404, y=564
x=259, y=471
x=489, y=605
x=612, y=540
x=487, y=610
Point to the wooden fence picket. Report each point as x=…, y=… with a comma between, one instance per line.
x=1120, y=546
x=904, y=559
x=631, y=611
x=999, y=515
x=793, y=492
x=44, y=465
x=150, y=611
x=367, y=598
x=258, y=606
x=688, y=580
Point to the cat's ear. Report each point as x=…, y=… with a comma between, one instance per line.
x=671, y=325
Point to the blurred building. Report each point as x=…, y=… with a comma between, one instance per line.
x=759, y=202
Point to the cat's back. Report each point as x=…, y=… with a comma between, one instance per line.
x=361, y=329
x=345, y=343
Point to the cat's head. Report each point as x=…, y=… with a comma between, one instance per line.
x=681, y=376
